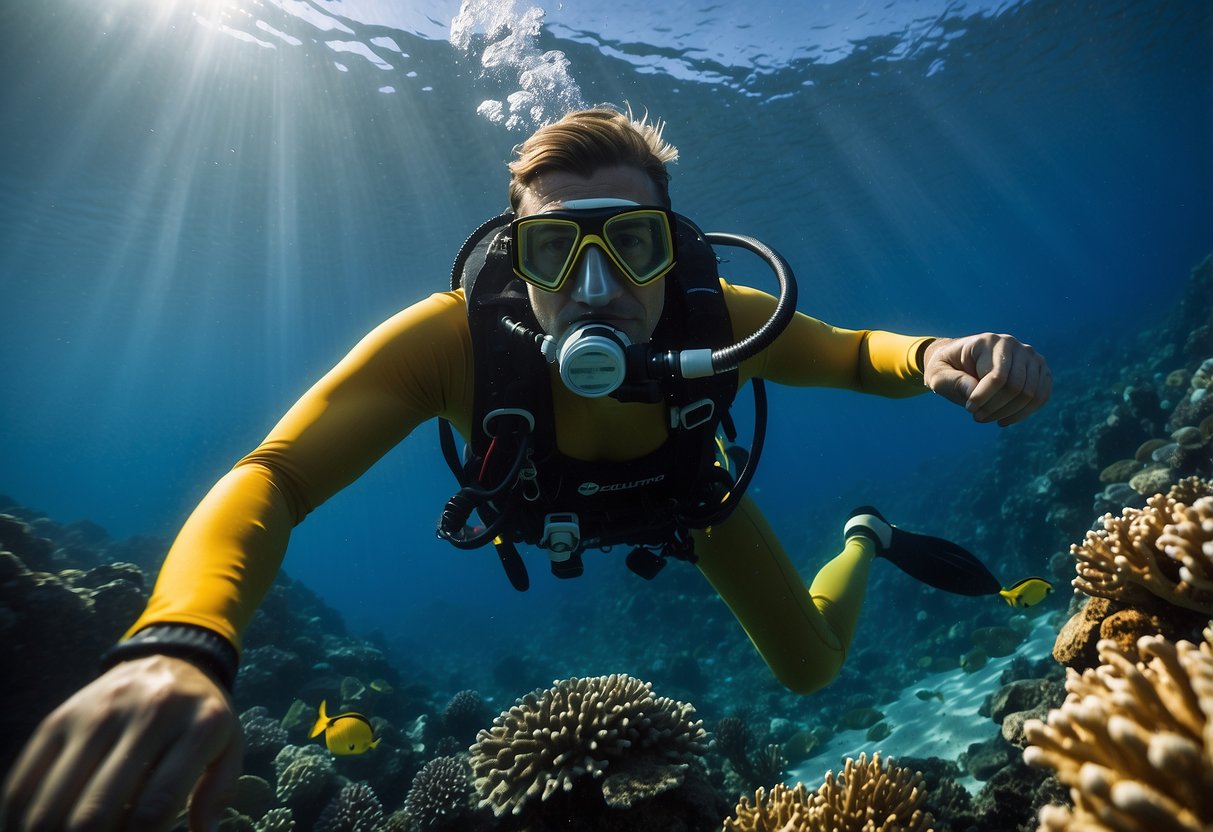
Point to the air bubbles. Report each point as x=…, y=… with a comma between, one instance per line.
x=510, y=34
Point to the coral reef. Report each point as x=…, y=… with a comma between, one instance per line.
x=866, y=797
x=762, y=767
x=356, y=808
x=1164, y=550
x=59, y=611
x=306, y=779
x=253, y=798
x=465, y=714
x=264, y=737
x=1133, y=741
x=1148, y=571
x=576, y=729
x=440, y=794
x=276, y=820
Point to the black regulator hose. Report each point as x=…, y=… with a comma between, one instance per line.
x=726, y=358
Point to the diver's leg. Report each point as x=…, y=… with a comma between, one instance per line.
x=803, y=633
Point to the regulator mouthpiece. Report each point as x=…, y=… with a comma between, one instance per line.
x=592, y=360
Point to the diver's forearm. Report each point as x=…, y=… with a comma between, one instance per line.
x=225, y=558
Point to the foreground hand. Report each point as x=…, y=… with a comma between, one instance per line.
x=994, y=377
x=126, y=752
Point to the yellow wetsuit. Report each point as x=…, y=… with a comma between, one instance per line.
x=418, y=365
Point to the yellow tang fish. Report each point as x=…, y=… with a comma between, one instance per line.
x=348, y=733
x=1027, y=592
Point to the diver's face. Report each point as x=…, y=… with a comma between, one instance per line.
x=633, y=310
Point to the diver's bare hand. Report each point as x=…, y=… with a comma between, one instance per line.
x=995, y=377
x=126, y=752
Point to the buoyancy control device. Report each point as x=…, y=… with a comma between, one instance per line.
x=512, y=474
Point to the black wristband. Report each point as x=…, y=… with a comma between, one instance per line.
x=205, y=648
x=920, y=355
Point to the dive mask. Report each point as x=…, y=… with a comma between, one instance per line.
x=637, y=239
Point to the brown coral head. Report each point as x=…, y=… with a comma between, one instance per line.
x=551, y=739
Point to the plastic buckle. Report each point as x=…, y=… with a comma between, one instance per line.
x=692, y=415
x=561, y=536
x=506, y=411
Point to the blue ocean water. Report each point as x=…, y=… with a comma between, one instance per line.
x=203, y=205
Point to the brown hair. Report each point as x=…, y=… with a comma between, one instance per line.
x=584, y=141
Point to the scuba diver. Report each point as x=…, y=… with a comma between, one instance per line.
x=588, y=354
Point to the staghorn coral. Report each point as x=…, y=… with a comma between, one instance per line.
x=867, y=797
x=356, y=808
x=1163, y=551
x=439, y=794
x=1134, y=742
x=576, y=729
x=782, y=809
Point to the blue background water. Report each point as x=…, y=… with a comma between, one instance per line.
x=204, y=205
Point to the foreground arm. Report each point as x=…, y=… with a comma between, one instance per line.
x=995, y=377
x=127, y=750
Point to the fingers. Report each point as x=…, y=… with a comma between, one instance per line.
x=106, y=799
x=1013, y=380
x=954, y=385
x=216, y=787
x=29, y=772
x=170, y=782
x=1037, y=389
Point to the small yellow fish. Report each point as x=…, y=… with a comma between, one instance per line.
x=348, y=733
x=381, y=686
x=1026, y=593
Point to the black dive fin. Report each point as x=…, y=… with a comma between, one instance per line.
x=940, y=563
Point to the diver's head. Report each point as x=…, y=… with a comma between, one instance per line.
x=594, y=285
x=586, y=141
x=599, y=153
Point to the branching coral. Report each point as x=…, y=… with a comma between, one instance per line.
x=867, y=797
x=576, y=729
x=781, y=809
x=1164, y=550
x=1134, y=742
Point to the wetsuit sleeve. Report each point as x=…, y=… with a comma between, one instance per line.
x=811, y=353
x=413, y=367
